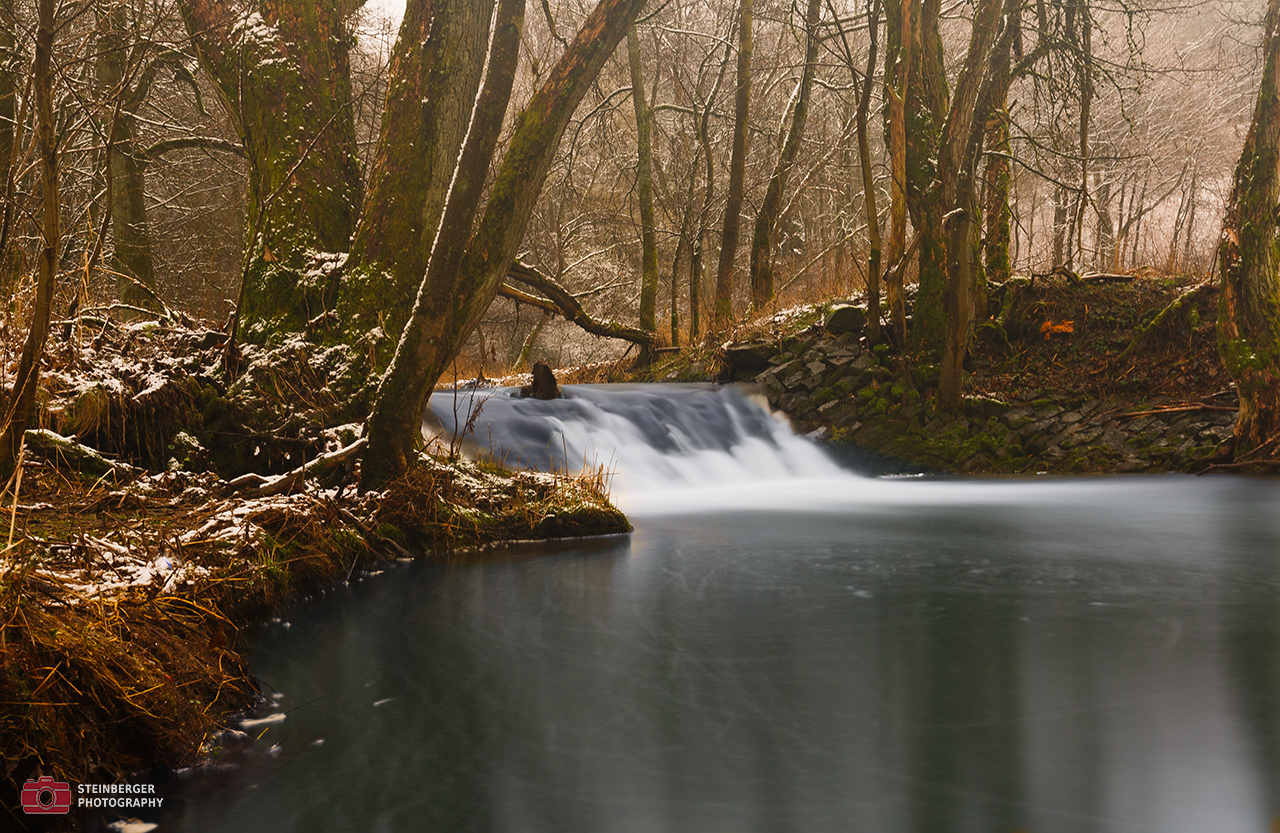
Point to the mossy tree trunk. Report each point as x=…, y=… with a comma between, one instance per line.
x=467, y=267
x=737, y=171
x=644, y=189
x=1249, y=262
x=997, y=215
x=22, y=399
x=283, y=70
x=897, y=78
x=762, y=239
x=982, y=85
x=435, y=71
x=913, y=36
x=132, y=259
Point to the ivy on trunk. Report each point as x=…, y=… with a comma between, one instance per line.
x=283, y=70
x=1249, y=262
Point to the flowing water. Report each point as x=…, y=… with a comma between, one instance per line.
x=785, y=646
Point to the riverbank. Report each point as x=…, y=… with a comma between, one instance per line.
x=135, y=555
x=1068, y=376
x=123, y=602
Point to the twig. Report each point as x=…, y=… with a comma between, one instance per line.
x=17, y=487
x=1177, y=409
x=1270, y=462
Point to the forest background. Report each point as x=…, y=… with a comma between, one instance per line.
x=289, y=168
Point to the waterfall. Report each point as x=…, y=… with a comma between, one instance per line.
x=652, y=436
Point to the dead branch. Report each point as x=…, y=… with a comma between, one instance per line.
x=563, y=303
x=1177, y=409
x=321, y=465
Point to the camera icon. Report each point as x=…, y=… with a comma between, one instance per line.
x=46, y=796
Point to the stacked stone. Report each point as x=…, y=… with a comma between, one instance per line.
x=830, y=382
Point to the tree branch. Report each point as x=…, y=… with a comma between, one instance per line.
x=207, y=142
x=563, y=303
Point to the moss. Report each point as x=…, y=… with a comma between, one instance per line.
x=1240, y=358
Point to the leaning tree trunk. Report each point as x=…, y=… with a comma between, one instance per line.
x=1249, y=262
x=644, y=189
x=737, y=172
x=435, y=71
x=762, y=239
x=1083, y=42
x=467, y=269
x=283, y=71
x=22, y=399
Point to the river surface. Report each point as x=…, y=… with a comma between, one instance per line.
x=795, y=650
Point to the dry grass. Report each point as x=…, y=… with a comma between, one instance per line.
x=121, y=607
x=446, y=505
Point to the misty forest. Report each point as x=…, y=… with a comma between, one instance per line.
x=298, y=288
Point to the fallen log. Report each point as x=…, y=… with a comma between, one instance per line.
x=255, y=485
x=1174, y=308
x=65, y=453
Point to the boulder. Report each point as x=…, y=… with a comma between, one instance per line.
x=747, y=359
x=845, y=318
x=543, y=385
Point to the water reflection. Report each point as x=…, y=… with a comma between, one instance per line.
x=997, y=657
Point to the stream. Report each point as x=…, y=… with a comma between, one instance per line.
x=783, y=645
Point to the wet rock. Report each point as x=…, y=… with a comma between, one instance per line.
x=543, y=385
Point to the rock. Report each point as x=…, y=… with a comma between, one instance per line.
x=795, y=380
x=845, y=318
x=543, y=385
x=983, y=406
x=749, y=358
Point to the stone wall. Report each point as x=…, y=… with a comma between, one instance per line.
x=833, y=388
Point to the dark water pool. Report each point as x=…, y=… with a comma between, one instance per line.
x=910, y=656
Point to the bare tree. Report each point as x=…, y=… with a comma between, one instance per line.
x=737, y=170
